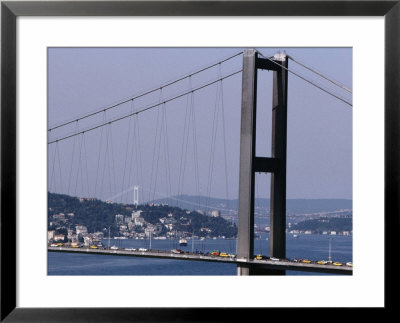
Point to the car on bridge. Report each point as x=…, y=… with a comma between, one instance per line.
x=177, y=251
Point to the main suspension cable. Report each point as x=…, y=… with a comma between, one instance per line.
x=305, y=79
x=145, y=109
x=144, y=94
x=322, y=75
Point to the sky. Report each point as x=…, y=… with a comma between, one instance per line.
x=190, y=145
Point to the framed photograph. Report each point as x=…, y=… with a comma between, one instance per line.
x=52, y=48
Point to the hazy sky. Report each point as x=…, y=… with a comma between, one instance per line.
x=156, y=149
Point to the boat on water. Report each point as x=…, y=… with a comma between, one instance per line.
x=182, y=242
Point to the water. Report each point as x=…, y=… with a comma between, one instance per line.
x=313, y=247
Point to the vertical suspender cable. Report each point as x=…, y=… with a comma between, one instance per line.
x=126, y=153
x=59, y=168
x=105, y=163
x=98, y=159
x=79, y=166
x=224, y=139
x=86, y=164
x=114, y=177
x=184, y=145
x=154, y=150
x=213, y=140
x=166, y=153
x=195, y=150
x=52, y=172
x=72, y=160
x=138, y=152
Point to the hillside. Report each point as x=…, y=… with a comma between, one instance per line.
x=324, y=224
x=67, y=211
x=293, y=206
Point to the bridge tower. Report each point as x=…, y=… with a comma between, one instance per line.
x=250, y=163
x=136, y=195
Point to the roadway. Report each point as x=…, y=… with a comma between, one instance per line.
x=262, y=263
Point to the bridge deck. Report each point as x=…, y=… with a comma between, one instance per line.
x=264, y=263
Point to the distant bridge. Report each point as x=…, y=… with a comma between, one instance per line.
x=254, y=263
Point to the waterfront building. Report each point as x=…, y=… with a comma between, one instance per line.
x=136, y=214
x=169, y=226
x=59, y=237
x=81, y=229
x=50, y=235
x=87, y=240
x=119, y=218
x=139, y=221
x=215, y=213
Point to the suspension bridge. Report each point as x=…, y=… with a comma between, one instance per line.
x=177, y=138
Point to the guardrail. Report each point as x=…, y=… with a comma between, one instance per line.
x=166, y=254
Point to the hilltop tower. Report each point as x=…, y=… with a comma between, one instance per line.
x=136, y=195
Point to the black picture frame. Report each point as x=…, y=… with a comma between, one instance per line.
x=10, y=10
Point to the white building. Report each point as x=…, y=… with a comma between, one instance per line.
x=169, y=226
x=139, y=221
x=70, y=233
x=98, y=235
x=50, y=235
x=119, y=218
x=81, y=229
x=59, y=237
x=150, y=230
x=215, y=213
x=87, y=241
x=136, y=214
